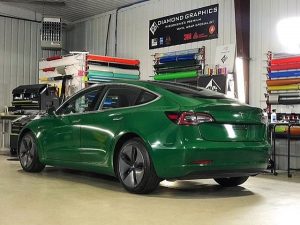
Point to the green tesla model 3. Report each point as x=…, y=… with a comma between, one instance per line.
x=143, y=132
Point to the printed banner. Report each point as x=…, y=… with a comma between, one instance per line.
x=216, y=83
x=191, y=26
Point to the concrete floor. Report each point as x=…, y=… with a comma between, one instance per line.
x=63, y=197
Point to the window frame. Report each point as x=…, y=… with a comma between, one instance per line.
x=117, y=85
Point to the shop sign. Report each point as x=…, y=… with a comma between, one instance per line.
x=186, y=27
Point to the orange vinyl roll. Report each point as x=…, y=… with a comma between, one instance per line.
x=109, y=59
x=295, y=131
x=283, y=82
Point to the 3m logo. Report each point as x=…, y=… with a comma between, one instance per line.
x=153, y=28
x=212, y=85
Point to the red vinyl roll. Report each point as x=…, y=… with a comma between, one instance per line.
x=295, y=131
x=101, y=58
x=54, y=58
x=285, y=60
x=49, y=69
x=291, y=66
x=280, y=82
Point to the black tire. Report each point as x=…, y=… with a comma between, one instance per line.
x=28, y=154
x=134, y=168
x=231, y=181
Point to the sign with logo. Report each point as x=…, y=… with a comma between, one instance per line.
x=216, y=83
x=225, y=56
x=191, y=26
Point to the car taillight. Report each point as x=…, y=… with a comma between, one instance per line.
x=189, y=118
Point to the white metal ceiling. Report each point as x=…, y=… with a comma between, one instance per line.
x=74, y=9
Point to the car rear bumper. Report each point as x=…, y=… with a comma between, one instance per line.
x=226, y=159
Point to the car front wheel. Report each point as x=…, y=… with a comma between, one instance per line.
x=135, y=169
x=231, y=181
x=28, y=154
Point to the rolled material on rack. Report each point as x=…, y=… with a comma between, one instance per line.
x=292, y=73
x=101, y=58
x=113, y=69
x=295, y=131
x=180, y=64
x=292, y=66
x=285, y=60
x=116, y=65
x=273, y=99
x=284, y=87
x=101, y=75
x=282, y=129
x=283, y=82
x=176, y=58
x=180, y=69
x=178, y=75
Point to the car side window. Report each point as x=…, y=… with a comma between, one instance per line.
x=85, y=102
x=145, y=97
x=120, y=97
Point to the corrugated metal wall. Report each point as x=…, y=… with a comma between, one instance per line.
x=263, y=37
x=19, y=54
x=90, y=35
x=133, y=25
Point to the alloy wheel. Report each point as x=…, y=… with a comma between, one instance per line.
x=131, y=165
x=27, y=151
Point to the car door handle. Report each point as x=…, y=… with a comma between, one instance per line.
x=76, y=121
x=118, y=118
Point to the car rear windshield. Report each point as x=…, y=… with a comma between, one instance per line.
x=189, y=90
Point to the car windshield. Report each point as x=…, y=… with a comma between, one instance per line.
x=189, y=90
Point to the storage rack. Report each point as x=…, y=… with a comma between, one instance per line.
x=188, y=66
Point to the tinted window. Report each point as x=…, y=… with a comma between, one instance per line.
x=120, y=97
x=145, y=97
x=84, y=102
x=189, y=90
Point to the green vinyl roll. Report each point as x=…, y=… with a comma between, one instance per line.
x=100, y=73
x=126, y=76
x=177, y=75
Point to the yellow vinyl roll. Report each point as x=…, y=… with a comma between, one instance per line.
x=284, y=87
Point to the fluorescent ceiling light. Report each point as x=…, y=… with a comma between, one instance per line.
x=240, y=79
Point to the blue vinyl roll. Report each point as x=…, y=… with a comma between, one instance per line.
x=175, y=58
x=291, y=73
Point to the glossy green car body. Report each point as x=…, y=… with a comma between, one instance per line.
x=234, y=144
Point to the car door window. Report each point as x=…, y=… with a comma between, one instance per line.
x=120, y=97
x=145, y=97
x=84, y=102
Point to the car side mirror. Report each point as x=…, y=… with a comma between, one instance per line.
x=51, y=111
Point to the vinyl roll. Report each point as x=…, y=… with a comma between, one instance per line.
x=178, y=75
x=284, y=87
x=273, y=99
x=292, y=73
x=291, y=66
x=99, y=73
x=175, y=58
x=105, y=75
x=116, y=65
x=295, y=59
x=180, y=69
x=113, y=69
x=283, y=82
x=295, y=131
x=101, y=58
x=180, y=64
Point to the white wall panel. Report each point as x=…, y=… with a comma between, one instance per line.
x=265, y=14
x=133, y=22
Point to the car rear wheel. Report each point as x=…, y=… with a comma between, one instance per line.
x=231, y=181
x=28, y=154
x=135, y=169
